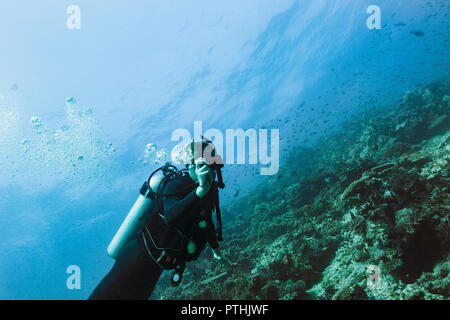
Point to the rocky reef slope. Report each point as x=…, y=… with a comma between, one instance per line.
x=373, y=197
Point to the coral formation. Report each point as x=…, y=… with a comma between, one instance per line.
x=374, y=194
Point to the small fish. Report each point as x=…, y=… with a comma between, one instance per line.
x=418, y=33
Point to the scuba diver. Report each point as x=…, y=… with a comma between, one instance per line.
x=169, y=225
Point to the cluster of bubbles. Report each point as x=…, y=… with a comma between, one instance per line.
x=74, y=151
x=153, y=154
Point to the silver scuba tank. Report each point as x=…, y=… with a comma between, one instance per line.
x=144, y=206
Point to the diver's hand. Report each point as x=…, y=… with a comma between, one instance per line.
x=223, y=262
x=205, y=177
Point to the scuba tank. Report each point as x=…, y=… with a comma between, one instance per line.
x=144, y=206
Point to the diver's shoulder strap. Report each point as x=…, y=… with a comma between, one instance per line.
x=218, y=214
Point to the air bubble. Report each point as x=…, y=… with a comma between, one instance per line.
x=142, y=161
x=150, y=148
x=36, y=122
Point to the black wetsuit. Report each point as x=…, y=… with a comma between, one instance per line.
x=135, y=273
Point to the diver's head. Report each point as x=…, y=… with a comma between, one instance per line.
x=196, y=151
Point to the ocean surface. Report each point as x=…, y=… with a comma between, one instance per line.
x=87, y=114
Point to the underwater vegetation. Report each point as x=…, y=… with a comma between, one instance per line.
x=373, y=194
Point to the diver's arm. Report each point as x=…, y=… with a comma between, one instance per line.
x=177, y=208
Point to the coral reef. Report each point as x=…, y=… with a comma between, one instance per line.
x=374, y=194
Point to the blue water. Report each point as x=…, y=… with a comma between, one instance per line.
x=79, y=107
